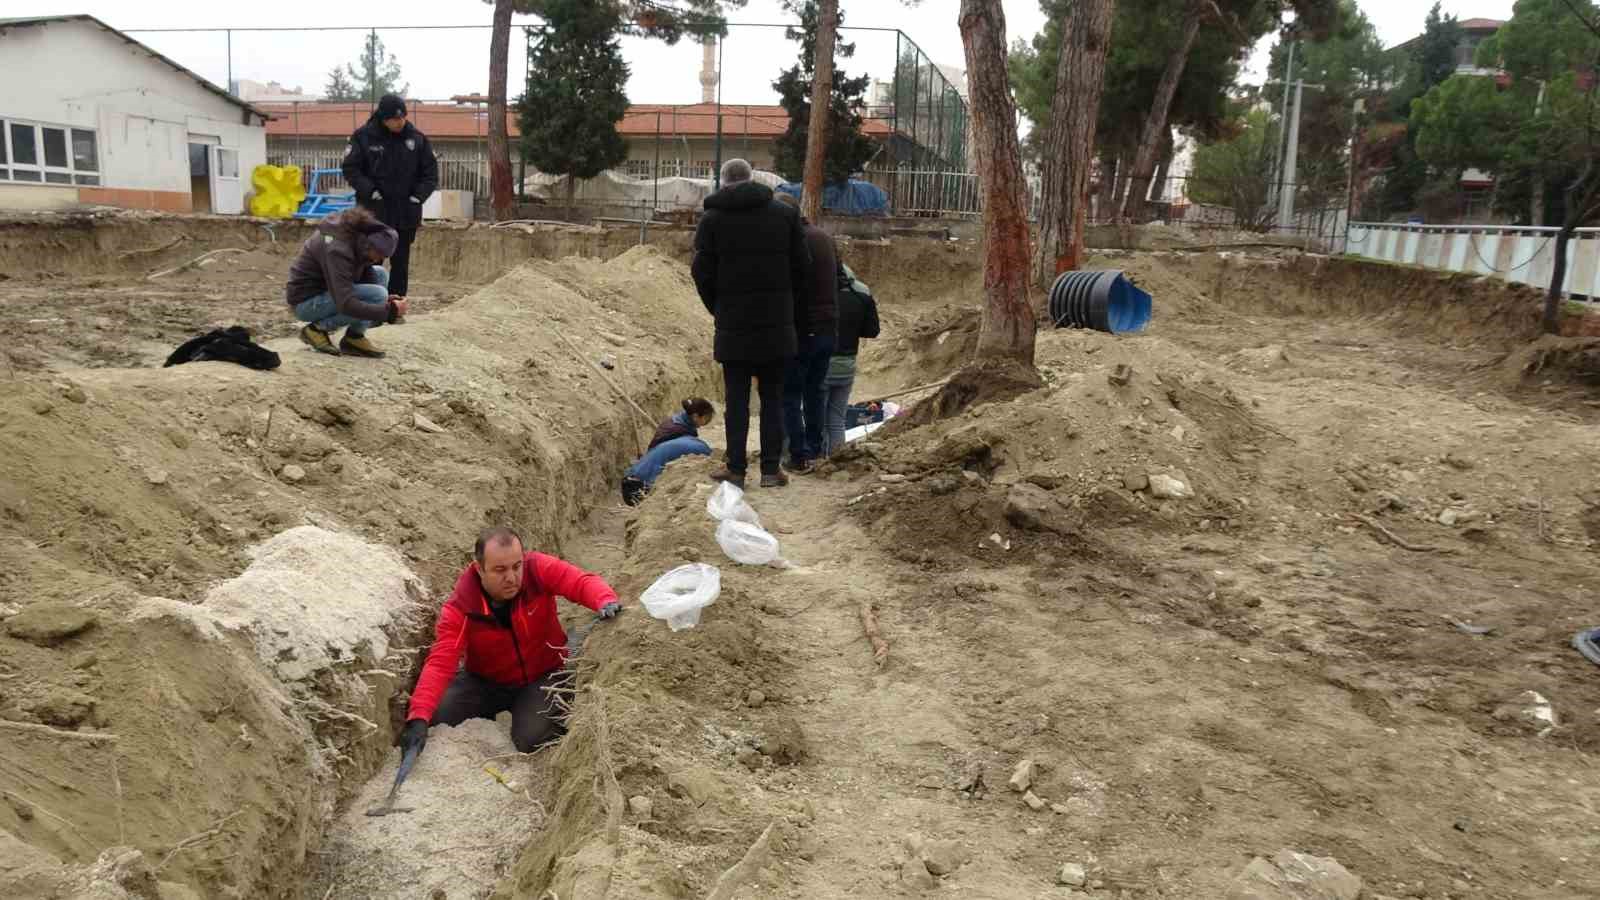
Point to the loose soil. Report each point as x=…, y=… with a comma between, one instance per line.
x=1197, y=681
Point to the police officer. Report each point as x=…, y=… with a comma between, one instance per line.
x=392, y=167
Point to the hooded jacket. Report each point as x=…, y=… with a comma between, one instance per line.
x=333, y=261
x=858, y=313
x=750, y=264
x=516, y=656
x=677, y=426
x=401, y=167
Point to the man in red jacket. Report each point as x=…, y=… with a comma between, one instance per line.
x=502, y=616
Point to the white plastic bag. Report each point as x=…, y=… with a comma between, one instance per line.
x=727, y=502
x=746, y=543
x=679, y=595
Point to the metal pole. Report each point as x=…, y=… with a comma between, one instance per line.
x=655, y=199
x=1286, y=194
x=938, y=159
x=230, y=62
x=372, y=66
x=716, y=174
x=1283, y=119
x=916, y=101
x=1350, y=185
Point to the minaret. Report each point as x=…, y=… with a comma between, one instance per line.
x=708, y=71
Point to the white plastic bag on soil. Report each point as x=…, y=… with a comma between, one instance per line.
x=727, y=502
x=679, y=595
x=746, y=543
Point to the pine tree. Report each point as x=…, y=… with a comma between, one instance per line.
x=847, y=149
x=576, y=93
x=376, y=73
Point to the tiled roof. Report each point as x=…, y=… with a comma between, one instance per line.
x=453, y=121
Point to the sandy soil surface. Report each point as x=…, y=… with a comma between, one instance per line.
x=1292, y=584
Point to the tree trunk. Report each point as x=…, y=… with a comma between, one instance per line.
x=1536, y=204
x=1155, y=122
x=1108, y=186
x=1119, y=190
x=1074, y=111
x=1558, y=277
x=821, y=103
x=1008, y=321
x=499, y=148
x=572, y=197
x=1159, y=192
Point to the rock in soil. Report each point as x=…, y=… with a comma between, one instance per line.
x=1022, y=778
x=1034, y=801
x=62, y=707
x=1166, y=487
x=292, y=474
x=915, y=876
x=943, y=857
x=641, y=806
x=785, y=742
x=1291, y=875
x=1072, y=875
x=46, y=624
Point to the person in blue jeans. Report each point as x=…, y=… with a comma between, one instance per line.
x=338, y=281
x=858, y=318
x=678, y=436
x=804, y=394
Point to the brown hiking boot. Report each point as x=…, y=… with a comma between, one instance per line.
x=730, y=476
x=775, y=480
x=318, y=340
x=359, y=346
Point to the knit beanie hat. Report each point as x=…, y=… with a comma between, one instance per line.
x=391, y=106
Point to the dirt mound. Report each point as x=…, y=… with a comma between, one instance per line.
x=127, y=485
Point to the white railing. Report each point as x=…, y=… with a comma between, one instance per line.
x=1523, y=255
x=931, y=192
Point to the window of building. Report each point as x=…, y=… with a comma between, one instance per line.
x=48, y=154
x=638, y=168
x=700, y=169
x=669, y=168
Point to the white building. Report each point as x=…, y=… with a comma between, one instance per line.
x=91, y=116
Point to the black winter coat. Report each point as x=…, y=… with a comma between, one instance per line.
x=750, y=263
x=401, y=167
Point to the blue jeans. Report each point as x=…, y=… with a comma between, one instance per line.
x=803, y=394
x=838, y=407
x=323, y=312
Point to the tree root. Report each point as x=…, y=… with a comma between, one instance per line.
x=746, y=869
x=1396, y=539
x=869, y=624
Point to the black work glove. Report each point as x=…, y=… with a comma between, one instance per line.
x=610, y=608
x=415, y=734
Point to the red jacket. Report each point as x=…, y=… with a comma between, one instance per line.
x=533, y=645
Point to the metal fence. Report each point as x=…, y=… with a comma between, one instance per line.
x=1522, y=255
x=914, y=107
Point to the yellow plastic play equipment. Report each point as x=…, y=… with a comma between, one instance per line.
x=278, y=191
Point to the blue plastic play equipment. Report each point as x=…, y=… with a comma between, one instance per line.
x=318, y=204
x=1103, y=300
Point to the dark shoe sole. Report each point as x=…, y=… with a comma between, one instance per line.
x=351, y=351
x=736, y=482
x=774, y=481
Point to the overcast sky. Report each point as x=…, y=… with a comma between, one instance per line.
x=438, y=64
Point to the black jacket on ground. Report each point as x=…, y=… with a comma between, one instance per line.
x=750, y=263
x=398, y=166
x=858, y=314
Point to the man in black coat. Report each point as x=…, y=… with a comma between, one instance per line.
x=392, y=168
x=750, y=263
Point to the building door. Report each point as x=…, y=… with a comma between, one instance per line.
x=200, y=169
x=226, y=194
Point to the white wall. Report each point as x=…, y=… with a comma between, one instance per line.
x=1521, y=255
x=78, y=74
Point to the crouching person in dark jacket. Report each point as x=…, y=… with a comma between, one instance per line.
x=338, y=281
x=677, y=436
x=750, y=264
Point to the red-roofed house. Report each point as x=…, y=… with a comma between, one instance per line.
x=664, y=139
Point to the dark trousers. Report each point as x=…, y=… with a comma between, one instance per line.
x=804, y=397
x=400, y=263
x=736, y=384
x=535, y=718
